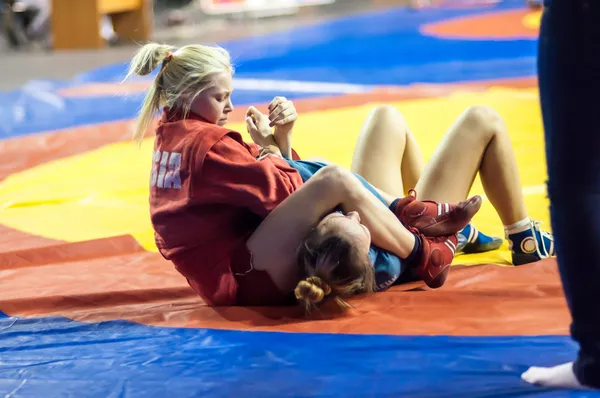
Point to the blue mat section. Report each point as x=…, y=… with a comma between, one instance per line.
x=384, y=47
x=379, y=48
x=56, y=357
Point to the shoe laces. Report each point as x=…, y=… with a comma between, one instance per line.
x=536, y=227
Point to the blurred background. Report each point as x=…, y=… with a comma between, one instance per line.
x=27, y=30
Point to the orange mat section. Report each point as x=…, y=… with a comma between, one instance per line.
x=511, y=24
x=74, y=280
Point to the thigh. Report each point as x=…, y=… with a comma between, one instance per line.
x=275, y=242
x=379, y=149
x=449, y=174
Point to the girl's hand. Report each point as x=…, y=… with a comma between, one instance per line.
x=271, y=150
x=258, y=127
x=283, y=115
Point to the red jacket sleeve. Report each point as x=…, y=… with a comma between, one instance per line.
x=231, y=175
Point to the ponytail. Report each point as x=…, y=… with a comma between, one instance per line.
x=183, y=75
x=146, y=60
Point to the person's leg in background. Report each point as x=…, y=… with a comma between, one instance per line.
x=40, y=26
x=569, y=72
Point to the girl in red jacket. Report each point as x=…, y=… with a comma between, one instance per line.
x=231, y=215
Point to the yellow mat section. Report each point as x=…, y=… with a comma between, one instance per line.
x=533, y=20
x=104, y=192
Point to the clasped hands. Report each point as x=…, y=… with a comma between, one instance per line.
x=273, y=133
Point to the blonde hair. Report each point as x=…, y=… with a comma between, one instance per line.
x=334, y=268
x=184, y=74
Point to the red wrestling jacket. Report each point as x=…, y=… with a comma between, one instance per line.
x=208, y=193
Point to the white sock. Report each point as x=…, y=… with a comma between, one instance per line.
x=474, y=234
x=561, y=376
x=517, y=227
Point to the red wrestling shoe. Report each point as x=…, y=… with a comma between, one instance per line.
x=433, y=262
x=436, y=219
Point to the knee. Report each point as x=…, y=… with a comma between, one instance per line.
x=387, y=124
x=484, y=118
x=387, y=112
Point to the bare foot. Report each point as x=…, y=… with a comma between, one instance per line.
x=561, y=376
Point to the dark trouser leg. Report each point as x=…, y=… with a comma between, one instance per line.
x=569, y=70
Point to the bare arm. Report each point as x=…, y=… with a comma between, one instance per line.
x=386, y=196
x=276, y=240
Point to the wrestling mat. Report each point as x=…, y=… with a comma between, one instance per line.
x=90, y=309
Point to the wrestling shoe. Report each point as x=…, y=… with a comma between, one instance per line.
x=530, y=244
x=434, y=259
x=435, y=219
x=471, y=240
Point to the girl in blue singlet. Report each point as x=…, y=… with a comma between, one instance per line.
x=388, y=267
x=388, y=162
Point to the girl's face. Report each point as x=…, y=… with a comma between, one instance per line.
x=349, y=227
x=214, y=103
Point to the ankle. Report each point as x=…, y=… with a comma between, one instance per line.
x=519, y=226
x=417, y=248
x=469, y=233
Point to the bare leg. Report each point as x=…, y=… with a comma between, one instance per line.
x=388, y=157
x=278, y=237
x=387, y=154
x=477, y=142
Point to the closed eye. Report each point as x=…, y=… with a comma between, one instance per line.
x=224, y=96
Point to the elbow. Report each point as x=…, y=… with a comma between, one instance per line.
x=337, y=181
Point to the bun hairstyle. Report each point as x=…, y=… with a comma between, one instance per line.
x=312, y=290
x=334, y=269
x=183, y=74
